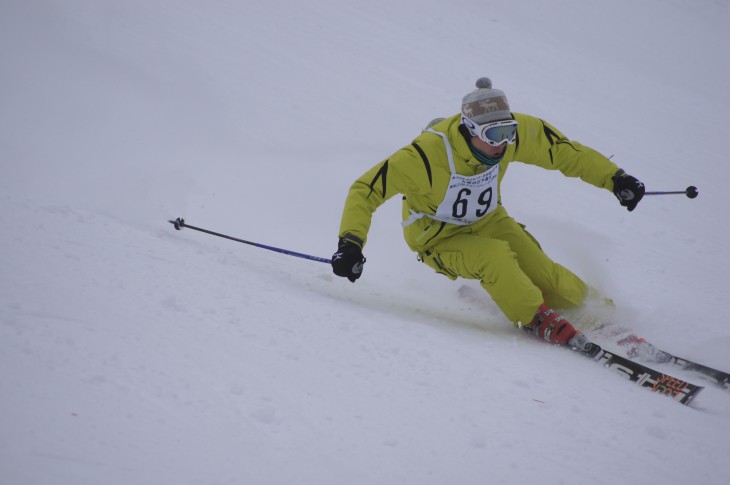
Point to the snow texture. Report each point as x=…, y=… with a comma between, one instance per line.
x=132, y=353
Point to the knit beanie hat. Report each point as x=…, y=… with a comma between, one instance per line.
x=484, y=104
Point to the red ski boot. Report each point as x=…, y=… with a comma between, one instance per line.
x=549, y=325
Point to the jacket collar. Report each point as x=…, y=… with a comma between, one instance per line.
x=458, y=135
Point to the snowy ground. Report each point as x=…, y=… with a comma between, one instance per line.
x=131, y=353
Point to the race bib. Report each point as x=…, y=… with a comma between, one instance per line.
x=469, y=198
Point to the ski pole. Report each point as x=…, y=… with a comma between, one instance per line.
x=690, y=192
x=179, y=223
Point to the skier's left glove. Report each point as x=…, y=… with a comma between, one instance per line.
x=348, y=260
x=627, y=189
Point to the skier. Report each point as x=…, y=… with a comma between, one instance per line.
x=453, y=218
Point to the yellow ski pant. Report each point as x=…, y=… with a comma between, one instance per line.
x=510, y=266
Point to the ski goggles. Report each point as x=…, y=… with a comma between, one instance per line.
x=495, y=133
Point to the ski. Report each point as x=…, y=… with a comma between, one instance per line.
x=638, y=347
x=679, y=390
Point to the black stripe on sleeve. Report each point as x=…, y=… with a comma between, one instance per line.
x=550, y=134
x=382, y=174
x=552, y=138
x=425, y=162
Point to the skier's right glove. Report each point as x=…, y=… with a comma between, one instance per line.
x=348, y=260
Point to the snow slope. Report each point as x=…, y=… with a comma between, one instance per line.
x=135, y=354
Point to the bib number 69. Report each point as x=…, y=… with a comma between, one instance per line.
x=461, y=204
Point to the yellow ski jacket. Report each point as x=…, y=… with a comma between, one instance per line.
x=421, y=172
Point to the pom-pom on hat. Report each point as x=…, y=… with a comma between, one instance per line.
x=484, y=104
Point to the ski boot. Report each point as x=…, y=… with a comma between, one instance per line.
x=549, y=325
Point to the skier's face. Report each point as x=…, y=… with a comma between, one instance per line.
x=487, y=149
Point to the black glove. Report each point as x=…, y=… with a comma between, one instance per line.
x=348, y=260
x=627, y=189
